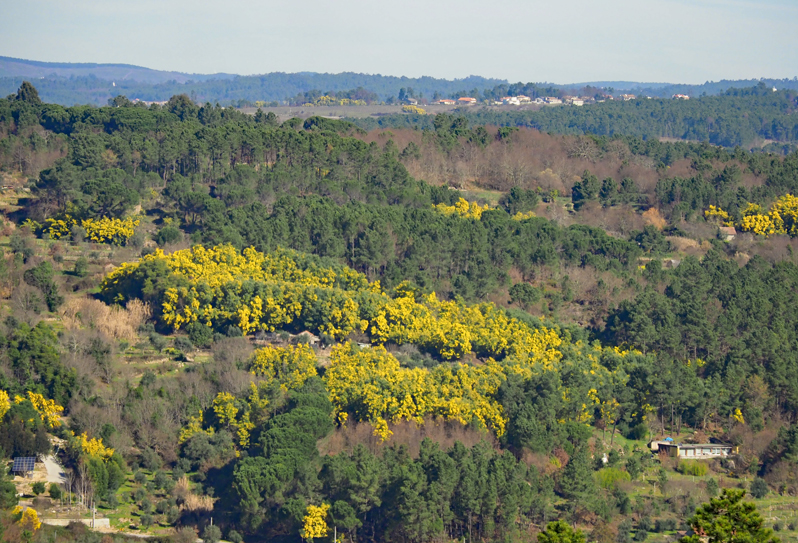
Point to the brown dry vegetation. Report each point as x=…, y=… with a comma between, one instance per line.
x=190, y=501
x=407, y=433
x=112, y=321
x=530, y=159
x=773, y=249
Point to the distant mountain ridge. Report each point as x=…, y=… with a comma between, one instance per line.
x=71, y=84
x=17, y=67
x=91, y=83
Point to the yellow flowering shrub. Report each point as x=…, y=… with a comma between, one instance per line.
x=28, y=519
x=717, y=214
x=239, y=415
x=30, y=224
x=94, y=447
x=113, y=231
x=59, y=228
x=758, y=224
x=48, y=410
x=462, y=209
x=314, y=524
x=193, y=427
x=521, y=216
x=781, y=218
x=328, y=100
x=784, y=213
x=371, y=385
x=252, y=290
x=5, y=403
x=289, y=367
x=102, y=230
x=226, y=408
x=259, y=291
x=413, y=109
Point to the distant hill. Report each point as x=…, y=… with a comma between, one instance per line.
x=88, y=83
x=17, y=67
x=665, y=90
x=620, y=85
x=652, y=90
x=71, y=84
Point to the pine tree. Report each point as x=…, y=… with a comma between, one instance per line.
x=28, y=93
x=576, y=483
x=560, y=532
x=728, y=519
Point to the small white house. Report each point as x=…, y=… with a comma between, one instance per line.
x=727, y=233
x=693, y=450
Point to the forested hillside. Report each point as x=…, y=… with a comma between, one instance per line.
x=98, y=88
x=264, y=331
x=737, y=117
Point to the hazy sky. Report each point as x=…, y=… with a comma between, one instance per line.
x=689, y=41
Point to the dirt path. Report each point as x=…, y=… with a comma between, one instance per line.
x=55, y=473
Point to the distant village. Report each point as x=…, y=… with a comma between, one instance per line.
x=521, y=100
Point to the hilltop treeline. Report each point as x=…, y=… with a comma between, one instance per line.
x=737, y=117
x=275, y=86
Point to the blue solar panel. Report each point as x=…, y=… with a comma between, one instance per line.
x=24, y=463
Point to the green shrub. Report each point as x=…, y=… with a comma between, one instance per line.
x=633, y=467
x=692, y=467
x=82, y=267
x=759, y=488
x=150, y=459
x=167, y=234
x=638, y=432
x=200, y=334
x=211, y=534
x=665, y=525
x=55, y=491
x=184, y=344
x=146, y=520
x=160, y=479
x=112, y=501
x=712, y=487
x=158, y=342
x=173, y=515
x=38, y=488
x=609, y=477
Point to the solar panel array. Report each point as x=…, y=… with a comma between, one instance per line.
x=24, y=463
